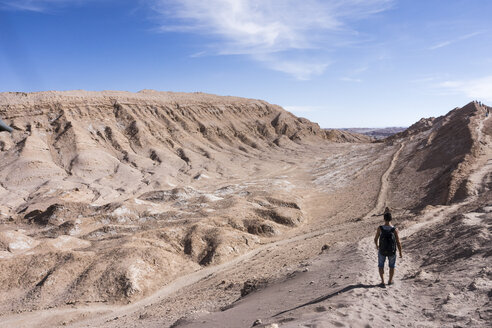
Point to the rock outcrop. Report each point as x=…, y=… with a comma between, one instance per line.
x=438, y=157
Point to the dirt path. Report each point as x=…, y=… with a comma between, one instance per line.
x=483, y=167
x=363, y=303
x=384, y=185
x=383, y=192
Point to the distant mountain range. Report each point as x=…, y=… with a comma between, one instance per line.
x=377, y=133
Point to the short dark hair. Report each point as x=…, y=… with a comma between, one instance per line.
x=387, y=216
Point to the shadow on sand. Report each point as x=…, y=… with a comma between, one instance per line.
x=326, y=297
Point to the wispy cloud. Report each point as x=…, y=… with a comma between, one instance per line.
x=458, y=39
x=353, y=75
x=351, y=79
x=426, y=79
x=198, y=54
x=272, y=32
x=300, y=67
x=37, y=5
x=479, y=89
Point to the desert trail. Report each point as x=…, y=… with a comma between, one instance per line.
x=159, y=209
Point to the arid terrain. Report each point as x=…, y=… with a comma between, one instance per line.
x=159, y=209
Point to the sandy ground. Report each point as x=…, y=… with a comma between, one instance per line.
x=319, y=270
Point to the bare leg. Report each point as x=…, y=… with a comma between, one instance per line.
x=381, y=274
x=392, y=272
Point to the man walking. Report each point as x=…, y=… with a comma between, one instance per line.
x=386, y=241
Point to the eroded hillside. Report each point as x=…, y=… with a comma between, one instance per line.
x=114, y=194
x=438, y=157
x=114, y=197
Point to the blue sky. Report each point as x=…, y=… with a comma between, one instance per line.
x=350, y=63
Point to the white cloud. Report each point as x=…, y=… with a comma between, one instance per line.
x=37, y=5
x=426, y=79
x=353, y=75
x=290, y=36
x=458, y=39
x=351, y=79
x=478, y=89
x=300, y=68
x=271, y=31
x=441, y=45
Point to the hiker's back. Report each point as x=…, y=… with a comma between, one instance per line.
x=387, y=240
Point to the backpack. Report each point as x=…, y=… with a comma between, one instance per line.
x=387, y=242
